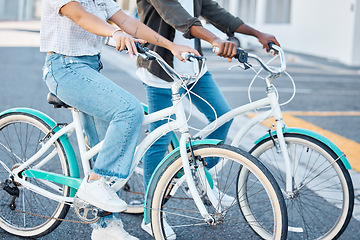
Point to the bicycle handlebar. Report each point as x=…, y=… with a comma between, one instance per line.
x=190, y=57
x=242, y=56
x=151, y=55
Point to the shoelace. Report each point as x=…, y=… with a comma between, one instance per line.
x=107, y=189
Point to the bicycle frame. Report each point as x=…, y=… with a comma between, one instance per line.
x=275, y=112
x=271, y=101
x=49, y=179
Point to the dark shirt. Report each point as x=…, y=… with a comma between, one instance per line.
x=164, y=16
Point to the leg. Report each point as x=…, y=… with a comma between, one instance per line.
x=77, y=81
x=207, y=88
x=84, y=88
x=158, y=98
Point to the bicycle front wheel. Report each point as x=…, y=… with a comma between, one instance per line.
x=323, y=199
x=173, y=205
x=20, y=135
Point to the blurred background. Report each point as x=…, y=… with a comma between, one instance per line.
x=323, y=28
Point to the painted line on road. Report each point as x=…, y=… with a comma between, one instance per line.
x=325, y=114
x=348, y=146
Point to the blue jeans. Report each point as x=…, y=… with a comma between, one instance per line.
x=160, y=98
x=108, y=111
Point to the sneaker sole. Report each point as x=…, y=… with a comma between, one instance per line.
x=100, y=205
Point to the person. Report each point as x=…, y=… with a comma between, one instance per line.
x=72, y=33
x=178, y=21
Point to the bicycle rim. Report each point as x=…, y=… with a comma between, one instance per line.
x=172, y=200
x=20, y=136
x=323, y=199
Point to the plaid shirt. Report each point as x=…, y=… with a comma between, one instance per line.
x=61, y=35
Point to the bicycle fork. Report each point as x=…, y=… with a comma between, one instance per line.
x=281, y=140
x=191, y=183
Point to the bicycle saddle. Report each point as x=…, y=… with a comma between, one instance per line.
x=55, y=101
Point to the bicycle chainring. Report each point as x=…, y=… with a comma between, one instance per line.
x=85, y=211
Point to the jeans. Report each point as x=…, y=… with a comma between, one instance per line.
x=108, y=111
x=160, y=98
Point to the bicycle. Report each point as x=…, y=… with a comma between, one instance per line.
x=310, y=169
x=40, y=175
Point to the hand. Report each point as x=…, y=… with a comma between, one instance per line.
x=177, y=50
x=125, y=40
x=265, y=38
x=227, y=49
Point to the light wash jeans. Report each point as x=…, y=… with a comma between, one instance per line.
x=160, y=98
x=108, y=111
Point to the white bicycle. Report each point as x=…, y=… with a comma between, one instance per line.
x=310, y=169
x=40, y=175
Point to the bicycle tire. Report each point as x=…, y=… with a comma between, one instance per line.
x=321, y=181
x=172, y=201
x=20, y=135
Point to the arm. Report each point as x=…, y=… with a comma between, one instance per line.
x=229, y=24
x=76, y=12
x=227, y=49
x=263, y=38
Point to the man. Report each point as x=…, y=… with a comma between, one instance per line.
x=177, y=20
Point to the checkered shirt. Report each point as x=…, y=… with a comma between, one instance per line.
x=61, y=35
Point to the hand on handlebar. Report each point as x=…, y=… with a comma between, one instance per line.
x=225, y=49
x=178, y=50
x=265, y=38
x=126, y=42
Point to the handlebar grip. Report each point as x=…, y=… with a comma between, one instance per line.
x=189, y=56
x=139, y=48
x=271, y=44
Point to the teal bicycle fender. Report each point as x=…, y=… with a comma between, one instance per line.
x=159, y=170
x=316, y=136
x=69, y=151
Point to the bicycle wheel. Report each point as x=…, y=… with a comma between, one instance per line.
x=323, y=199
x=172, y=201
x=20, y=136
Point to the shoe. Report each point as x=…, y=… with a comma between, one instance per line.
x=225, y=200
x=113, y=231
x=99, y=194
x=169, y=232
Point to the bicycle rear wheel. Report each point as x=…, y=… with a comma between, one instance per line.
x=323, y=200
x=20, y=136
x=172, y=201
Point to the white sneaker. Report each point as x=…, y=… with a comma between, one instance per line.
x=169, y=232
x=114, y=231
x=225, y=200
x=99, y=194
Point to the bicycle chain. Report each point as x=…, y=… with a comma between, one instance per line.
x=60, y=219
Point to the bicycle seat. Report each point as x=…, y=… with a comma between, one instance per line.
x=55, y=101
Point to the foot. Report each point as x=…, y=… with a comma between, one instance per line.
x=113, y=231
x=169, y=232
x=99, y=194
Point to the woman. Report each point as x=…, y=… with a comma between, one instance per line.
x=72, y=32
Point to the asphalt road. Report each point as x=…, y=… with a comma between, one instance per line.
x=321, y=86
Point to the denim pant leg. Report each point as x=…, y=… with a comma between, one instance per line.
x=158, y=98
x=77, y=82
x=94, y=128
x=208, y=89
